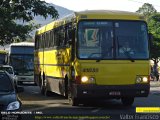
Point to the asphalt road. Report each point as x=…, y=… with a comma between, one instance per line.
x=41, y=105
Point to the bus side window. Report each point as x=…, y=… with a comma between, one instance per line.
x=46, y=40
x=52, y=38
x=37, y=42
x=40, y=42
x=62, y=36
x=68, y=36
x=56, y=37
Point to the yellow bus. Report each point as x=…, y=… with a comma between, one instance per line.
x=3, y=57
x=80, y=56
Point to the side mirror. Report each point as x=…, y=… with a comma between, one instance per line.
x=15, y=72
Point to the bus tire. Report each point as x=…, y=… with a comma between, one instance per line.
x=46, y=92
x=66, y=87
x=73, y=101
x=127, y=101
x=42, y=88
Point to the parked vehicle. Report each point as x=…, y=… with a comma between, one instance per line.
x=21, y=57
x=11, y=72
x=9, y=100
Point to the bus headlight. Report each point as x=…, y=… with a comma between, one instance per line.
x=138, y=79
x=145, y=79
x=90, y=80
x=141, y=79
x=84, y=79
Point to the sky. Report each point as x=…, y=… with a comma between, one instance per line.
x=124, y=5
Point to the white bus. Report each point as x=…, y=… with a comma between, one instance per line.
x=21, y=57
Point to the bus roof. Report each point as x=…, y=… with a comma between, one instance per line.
x=22, y=44
x=91, y=14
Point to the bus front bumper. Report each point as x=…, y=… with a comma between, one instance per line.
x=117, y=91
x=25, y=80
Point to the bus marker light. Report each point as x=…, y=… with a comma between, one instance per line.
x=138, y=80
x=92, y=80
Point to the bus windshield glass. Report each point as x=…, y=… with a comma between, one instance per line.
x=3, y=58
x=112, y=40
x=5, y=83
x=23, y=64
x=22, y=50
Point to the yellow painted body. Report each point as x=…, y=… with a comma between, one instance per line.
x=57, y=62
x=54, y=62
x=113, y=72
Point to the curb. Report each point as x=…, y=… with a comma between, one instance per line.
x=155, y=83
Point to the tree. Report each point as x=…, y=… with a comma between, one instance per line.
x=154, y=28
x=153, y=21
x=13, y=10
x=147, y=10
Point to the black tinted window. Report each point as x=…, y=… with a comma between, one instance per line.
x=5, y=83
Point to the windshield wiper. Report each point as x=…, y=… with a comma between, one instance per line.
x=127, y=53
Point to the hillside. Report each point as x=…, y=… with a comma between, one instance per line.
x=61, y=11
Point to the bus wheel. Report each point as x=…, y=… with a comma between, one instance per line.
x=127, y=101
x=42, y=88
x=46, y=92
x=66, y=87
x=73, y=101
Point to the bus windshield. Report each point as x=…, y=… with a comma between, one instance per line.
x=3, y=58
x=23, y=64
x=22, y=50
x=112, y=40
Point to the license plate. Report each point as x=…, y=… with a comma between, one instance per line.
x=116, y=93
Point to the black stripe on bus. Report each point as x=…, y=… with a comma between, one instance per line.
x=55, y=78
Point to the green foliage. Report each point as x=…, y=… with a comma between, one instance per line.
x=147, y=10
x=154, y=28
x=153, y=21
x=13, y=10
x=154, y=24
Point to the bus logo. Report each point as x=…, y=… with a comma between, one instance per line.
x=90, y=70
